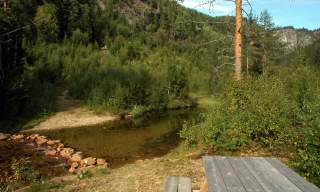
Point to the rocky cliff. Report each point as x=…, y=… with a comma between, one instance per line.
x=294, y=38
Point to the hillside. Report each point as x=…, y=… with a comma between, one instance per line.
x=294, y=38
x=153, y=41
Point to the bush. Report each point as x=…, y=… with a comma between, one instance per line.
x=255, y=110
x=304, y=88
x=139, y=111
x=23, y=171
x=278, y=111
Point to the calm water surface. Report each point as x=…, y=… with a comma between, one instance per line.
x=127, y=140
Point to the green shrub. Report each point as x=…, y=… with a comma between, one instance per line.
x=304, y=86
x=139, y=111
x=23, y=171
x=256, y=110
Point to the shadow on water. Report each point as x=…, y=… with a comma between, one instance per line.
x=127, y=140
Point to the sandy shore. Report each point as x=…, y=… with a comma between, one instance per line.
x=72, y=114
x=78, y=117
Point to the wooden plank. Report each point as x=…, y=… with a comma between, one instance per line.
x=214, y=178
x=185, y=184
x=229, y=176
x=296, y=179
x=249, y=182
x=171, y=184
x=269, y=177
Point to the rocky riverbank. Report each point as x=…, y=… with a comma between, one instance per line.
x=75, y=160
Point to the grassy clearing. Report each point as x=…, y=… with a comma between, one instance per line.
x=140, y=176
x=205, y=101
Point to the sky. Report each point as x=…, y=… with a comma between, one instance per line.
x=297, y=13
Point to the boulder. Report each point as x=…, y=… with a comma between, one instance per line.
x=33, y=137
x=41, y=140
x=66, y=152
x=101, y=162
x=51, y=152
x=41, y=150
x=75, y=165
x=60, y=146
x=72, y=170
x=17, y=137
x=89, y=161
x=4, y=136
x=77, y=157
x=53, y=142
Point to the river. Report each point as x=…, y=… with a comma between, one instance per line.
x=127, y=140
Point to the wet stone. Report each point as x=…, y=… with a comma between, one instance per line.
x=53, y=142
x=41, y=140
x=17, y=137
x=67, y=152
x=89, y=161
x=75, y=165
x=51, y=152
x=4, y=136
x=77, y=157
x=33, y=137
x=101, y=162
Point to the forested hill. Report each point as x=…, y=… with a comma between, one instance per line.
x=106, y=54
x=120, y=55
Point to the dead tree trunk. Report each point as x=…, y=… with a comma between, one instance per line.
x=5, y=5
x=238, y=41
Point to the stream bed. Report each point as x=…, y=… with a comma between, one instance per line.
x=127, y=140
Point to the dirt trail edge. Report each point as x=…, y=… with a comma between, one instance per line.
x=72, y=114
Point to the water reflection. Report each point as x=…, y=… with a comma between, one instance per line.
x=127, y=140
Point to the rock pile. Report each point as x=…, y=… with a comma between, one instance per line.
x=55, y=148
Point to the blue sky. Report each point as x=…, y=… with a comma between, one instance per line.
x=297, y=13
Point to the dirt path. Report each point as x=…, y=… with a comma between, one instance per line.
x=72, y=114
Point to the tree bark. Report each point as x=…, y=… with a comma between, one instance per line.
x=238, y=41
x=5, y=5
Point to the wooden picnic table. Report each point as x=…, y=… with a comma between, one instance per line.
x=252, y=174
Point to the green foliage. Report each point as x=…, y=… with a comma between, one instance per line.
x=44, y=187
x=255, y=110
x=46, y=22
x=177, y=80
x=305, y=90
x=23, y=172
x=139, y=111
x=84, y=175
x=79, y=38
x=110, y=59
x=275, y=111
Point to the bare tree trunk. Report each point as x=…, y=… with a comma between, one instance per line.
x=264, y=59
x=5, y=5
x=238, y=41
x=1, y=69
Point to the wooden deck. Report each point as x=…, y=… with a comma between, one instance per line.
x=252, y=174
x=178, y=184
